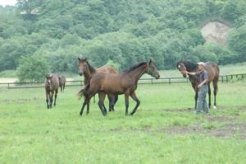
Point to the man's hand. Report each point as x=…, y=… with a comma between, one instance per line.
x=200, y=85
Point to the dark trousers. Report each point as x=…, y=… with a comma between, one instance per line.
x=202, y=105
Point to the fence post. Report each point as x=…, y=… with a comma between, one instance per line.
x=169, y=80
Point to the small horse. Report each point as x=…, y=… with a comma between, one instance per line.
x=88, y=71
x=123, y=83
x=51, y=87
x=62, y=82
x=213, y=76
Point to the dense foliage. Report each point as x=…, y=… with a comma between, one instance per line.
x=122, y=31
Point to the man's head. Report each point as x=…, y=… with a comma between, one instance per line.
x=201, y=66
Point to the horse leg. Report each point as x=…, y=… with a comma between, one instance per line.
x=114, y=102
x=82, y=108
x=209, y=96
x=126, y=103
x=47, y=100
x=101, y=103
x=215, y=85
x=134, y=97
x=88, y=106
x=56, y=91
x=111, y=102
x=51, y=99
x=86, y=102
x=194, y=86
x=196, y=96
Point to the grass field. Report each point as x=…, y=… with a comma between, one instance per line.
x=165, y=128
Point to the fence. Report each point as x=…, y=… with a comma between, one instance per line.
x=163, y=80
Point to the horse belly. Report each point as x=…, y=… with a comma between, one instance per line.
x=112, y=87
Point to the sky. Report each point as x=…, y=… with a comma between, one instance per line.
x=7, y=2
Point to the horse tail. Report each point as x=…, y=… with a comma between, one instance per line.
x=83, y=91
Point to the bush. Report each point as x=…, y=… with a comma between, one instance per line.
x=32, y=68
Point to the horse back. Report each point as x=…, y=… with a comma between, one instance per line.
x=62, y=80
x=109, y=83
x=106, y=69
x=213, y=71
x=55, y=81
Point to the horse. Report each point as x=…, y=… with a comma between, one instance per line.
x=122, y=83
x=213, y=76
x=62, y=82
x=88, y=71
x=51, y=88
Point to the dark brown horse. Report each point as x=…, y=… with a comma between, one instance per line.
x=88, y=71
x=213, y=76
x=123, y=83
x=62, y=82
x=51, y=88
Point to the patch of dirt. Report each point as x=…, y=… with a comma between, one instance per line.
x=221, y=118
x=216, y=32
x=227, y=131
x=8, y=80
x=21, y=100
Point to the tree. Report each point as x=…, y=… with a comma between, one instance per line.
x=237, y=42
x=32, y=68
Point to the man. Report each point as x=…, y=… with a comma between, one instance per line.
x=202, y=77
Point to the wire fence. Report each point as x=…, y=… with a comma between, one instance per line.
x=162, y=80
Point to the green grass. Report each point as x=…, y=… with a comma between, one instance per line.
x=163, y=130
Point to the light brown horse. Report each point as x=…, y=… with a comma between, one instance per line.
x=213, y=76
x=62, y=82
x=123, y=83
x=86, y=70
x=51, y=88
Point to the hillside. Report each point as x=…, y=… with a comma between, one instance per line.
x=215, y=32
x=125, y=32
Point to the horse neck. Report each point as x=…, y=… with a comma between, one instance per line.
x=87, y=77
x=88, y=74
x=191, y=67
x=137, y=72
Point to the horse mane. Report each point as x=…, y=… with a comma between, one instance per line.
x=92, y=69
x=135, y=66
x=189, y=65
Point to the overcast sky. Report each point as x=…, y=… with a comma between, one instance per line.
x=7, y=2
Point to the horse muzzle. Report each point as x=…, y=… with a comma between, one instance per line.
x=157, y=77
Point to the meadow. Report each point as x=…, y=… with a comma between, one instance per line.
x=164, y=129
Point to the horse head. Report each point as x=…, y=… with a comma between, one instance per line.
x=152, y=69
x=83, y=66
x=48, y=81
x=182, y=68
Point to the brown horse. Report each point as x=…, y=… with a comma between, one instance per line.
x=88, y=71
x=62, y=82
x=213, y=76
x=51, y=87
x=123, y=83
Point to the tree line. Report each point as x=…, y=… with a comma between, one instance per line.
x=42, y=36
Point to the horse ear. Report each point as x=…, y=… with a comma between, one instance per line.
x=47, y=76
x=79, y=58
x=150, y=61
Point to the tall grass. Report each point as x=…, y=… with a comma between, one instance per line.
x=32, y=134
